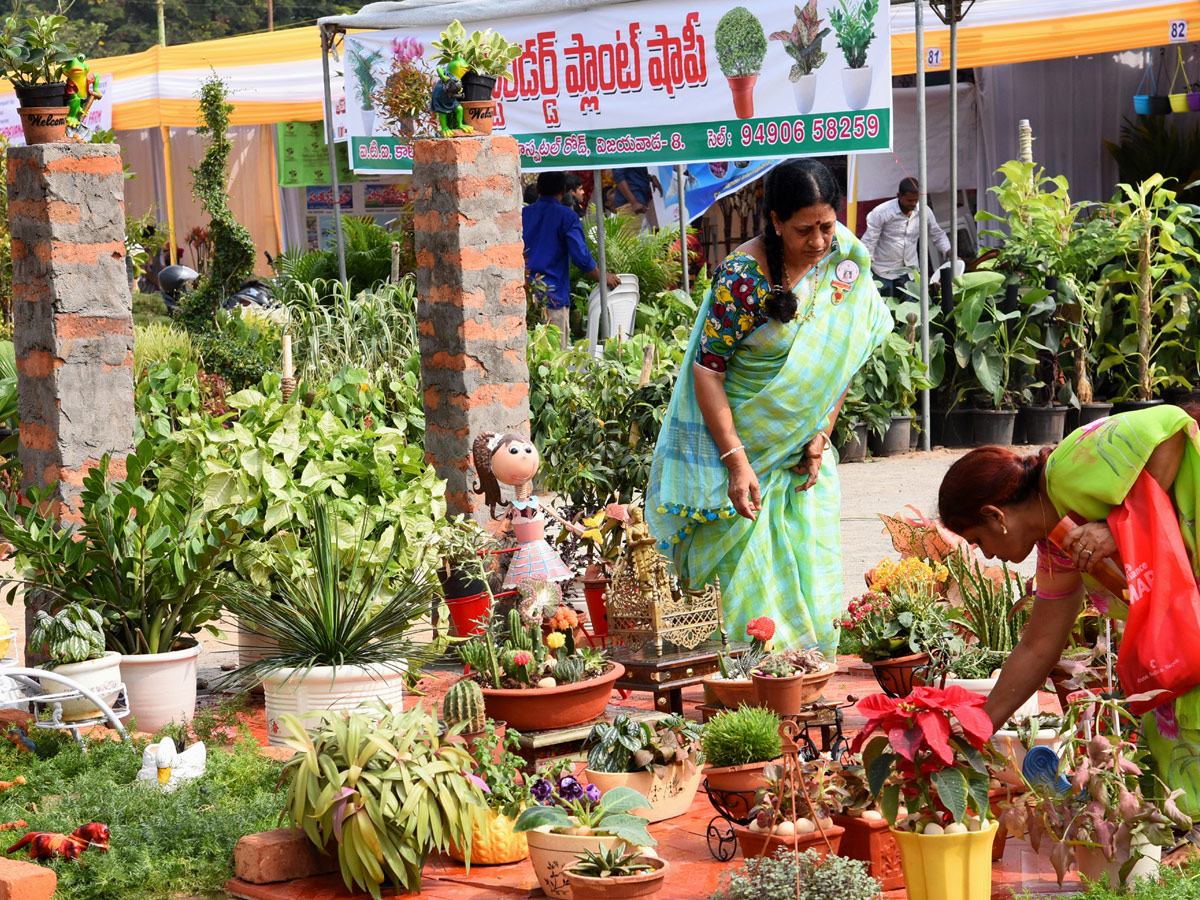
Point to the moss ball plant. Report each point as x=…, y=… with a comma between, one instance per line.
x=748, y=734
x=741, y=43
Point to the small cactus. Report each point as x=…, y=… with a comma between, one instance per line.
x=776, y=667
x=569, y=670
x=464, y=703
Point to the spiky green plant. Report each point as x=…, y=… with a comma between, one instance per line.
x=464, y=703
x=158, y=343
x=651, y=255
x=611, y=862
x=739, y=736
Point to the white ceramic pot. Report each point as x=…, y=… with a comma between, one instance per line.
x=1092, y=865
x=368, y=121
x=670, y=795
x=805, y=92
x=1008, y=744
x=101, y=676
x=551, y=854
x=985, y=686
x=326, y=687
x=161, y=686
x=856, y=85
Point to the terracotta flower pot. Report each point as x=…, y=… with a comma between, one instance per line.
x=647, y=884
x=742, y=88
x=551, y=854
x=730, y=693
x=541, y=709
x=670, y=794
x=897, y=676
x=755, y=844
x=788, y=696
x=478, y=114
x=43, y=124
x=495, y=843
x=871, y=841
x=747, y=778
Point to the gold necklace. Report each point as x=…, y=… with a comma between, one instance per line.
x=812, y=291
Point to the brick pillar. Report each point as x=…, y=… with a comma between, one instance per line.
x=471, y=311
x=72, y=313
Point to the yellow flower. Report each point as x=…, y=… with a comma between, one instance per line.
x=555, y=640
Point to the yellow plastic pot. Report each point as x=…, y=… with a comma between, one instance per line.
x=495, y=843
x=947, y=866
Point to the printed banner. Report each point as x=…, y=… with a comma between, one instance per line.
x=387, y=196
x=99, y=117
x=661, y=82
x=303, y=155
x=706, y=183
x=319, y=197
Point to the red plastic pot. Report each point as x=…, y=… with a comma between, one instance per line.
x=465, y=612
x=595, y=592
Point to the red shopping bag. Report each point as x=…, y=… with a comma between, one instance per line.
x=1160, y=651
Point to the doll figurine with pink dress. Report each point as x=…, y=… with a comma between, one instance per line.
x=513, y=460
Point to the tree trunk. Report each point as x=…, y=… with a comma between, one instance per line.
x=1144, y=323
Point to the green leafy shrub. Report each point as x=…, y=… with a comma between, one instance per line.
x=74, y=634
x=157, y=343
x=368, y=247
x=744, y=735
x=167, y=391
x=807, y=876
x=647, y=254
x=239, y=349
x=740, y=42
x=854, y=23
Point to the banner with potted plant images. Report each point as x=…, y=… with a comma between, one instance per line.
x=657, y=82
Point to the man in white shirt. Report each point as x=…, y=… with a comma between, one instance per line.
x=892, y=235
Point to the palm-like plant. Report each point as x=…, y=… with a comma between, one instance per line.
x=333, y=615
x=650, y=255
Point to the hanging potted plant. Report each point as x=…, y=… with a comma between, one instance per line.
x=570, y=818
x=939, y=774
x=340, y=637
x=792, y=810
x=803, y=45
x=34, y=58
x=611, y=873
x=73, y=640
x=741, y=44
x=854, y=23
x=494, y=841
x=482, y=57
x=147, y=561
x=661, y=761
x=732, y=685
x=738, y=744
x=788, y=680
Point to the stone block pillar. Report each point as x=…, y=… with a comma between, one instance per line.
x=471, y=310
x=72, y=313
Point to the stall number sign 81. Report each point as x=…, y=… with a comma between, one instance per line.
x=1178, y=31
x=933, y=58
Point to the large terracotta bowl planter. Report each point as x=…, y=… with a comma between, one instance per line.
x=670, y=795
x=788, y=696
x=562, y=706
x=743, y=779
x=871, y=841
x=493, y=842
x=551, y=854
x=898, y=676
x=947, y=866
x=647, y=884
x=730, y=693
x=755, y=844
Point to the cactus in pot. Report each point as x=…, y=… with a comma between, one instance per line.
x=464, y=703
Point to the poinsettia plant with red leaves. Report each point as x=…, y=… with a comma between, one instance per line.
x=930, y=756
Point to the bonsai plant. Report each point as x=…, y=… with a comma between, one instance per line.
x=613, y=872
x=381, y=820
x=497, y=766
x=339, y=636
x=660, y=760
x=787, y=680
x=790, y=874
x=732, y=686
x=571, y=818
x=803, y=44
x=73, y=640
x=738, y=744
x=147, y=560
x=35, y=58
x=854, y=23
x=939, y=775
x=741, y=45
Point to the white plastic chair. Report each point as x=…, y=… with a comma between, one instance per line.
x=622, y=312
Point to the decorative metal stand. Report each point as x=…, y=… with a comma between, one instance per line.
x=30, y=681
x=733, y=808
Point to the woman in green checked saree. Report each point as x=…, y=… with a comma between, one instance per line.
x=744, y=482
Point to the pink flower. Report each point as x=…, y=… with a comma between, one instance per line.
x=521, y=658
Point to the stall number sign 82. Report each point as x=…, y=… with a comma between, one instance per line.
x=1178, y=31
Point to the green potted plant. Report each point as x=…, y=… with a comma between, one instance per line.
x=738, y=744
x=787, y=680
x=73, y=640
x=493, y=839
x=732, y=685
x=481, y=57
x=931, y=761
x=612, y=872
x=340, y=635
x=147, y=560
x=34, y=57
x=854, y=419
x=570, y=818
x=381, y=820
x=854, y=23
x=803, y=44
x=741, y=44
x=403, y=97
x=892, y=379
x=660, y=761
x=464, y=550
x=816, y=874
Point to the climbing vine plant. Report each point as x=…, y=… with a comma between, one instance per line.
x=232, y=247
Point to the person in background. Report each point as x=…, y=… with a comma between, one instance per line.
x=554, y=240
x=633, y=191
x=892, y=235
x=531, y=194
x=573, y=198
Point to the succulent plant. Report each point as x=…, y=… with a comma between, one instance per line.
x=611, y=862
x=464, y=703
x=777, y=665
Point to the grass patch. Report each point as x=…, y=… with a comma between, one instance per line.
x=1177, y=883
x=163, y=844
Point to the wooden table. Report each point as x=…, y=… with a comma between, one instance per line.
x=665, y=676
